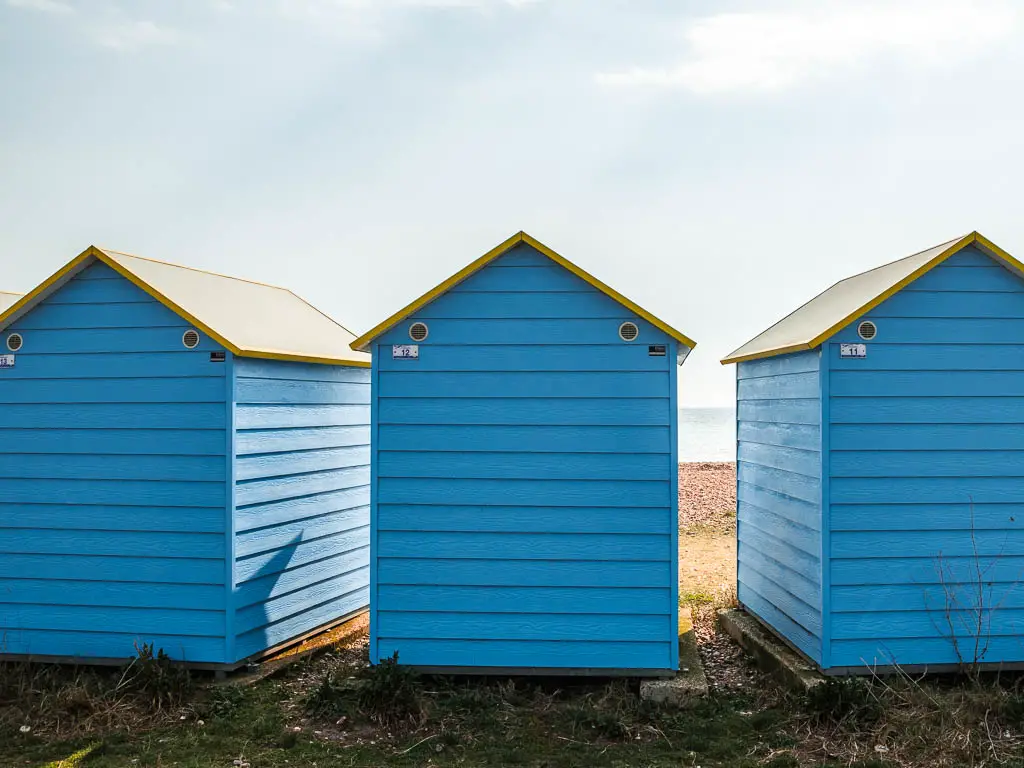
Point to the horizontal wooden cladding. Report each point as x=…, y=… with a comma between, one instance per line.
x=889, y=651
x=927, y=597
x=800, y=461
x=106, y=645
x=804, y=614
x=141, y=365
x=928, y=410
x=505, y=331
x=797, y=486
x=293, y=486
x=930, y=357
x=300, y=552
x=938, y=304
x=950, y=463
x=782, y=365
x=525, y=653
x=279, y=512
x=524, y=546
x=298, y=416
x=1001, y=621
x=804, y=538
x=113, y=467
x=517, y=305
x=268, y=465
x=524, y=626
x=132, y=493
x=751, y=559
x=767, y=544
x=882, y=570
x=518, y=384
x=794, y=386
x=549, y=466
x=418, y=517
x=992, y=279
x=489, y=571
x=275, y=609
x=250, y=441
x=47, y=541
x=917, y=437
x=269, y=539
x=521, y=600
x=252, y=391
x=305, y=620
x=796, y=634
x=934, y=544
x=122, y=594
x=72, y=341
x=805, y=513
x=926, y=490
x=113, y=416
x=805, y=411
x=937, y=330
x=115, y=291
x=301, y=577
x=91, y=618
x=527, y=357
x=112, y=518
x=164, y=442
x=548, y=278
x=528, y=493
x=48, y=316
x=530, y=438
x=931, y=517
x=928, y=383
x=803, y=436
x=276, y=370
x=119, y=568
x=556, y=412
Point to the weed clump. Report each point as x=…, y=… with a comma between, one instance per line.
x=843, y=700
x=155, y=676
x=388, y=694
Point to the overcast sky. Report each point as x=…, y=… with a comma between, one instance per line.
x=719, y=163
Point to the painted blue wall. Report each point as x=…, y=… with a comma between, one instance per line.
x=779, y=488
x=112, y=479
x=525, y=500
x=302, y=496
x=928, y=427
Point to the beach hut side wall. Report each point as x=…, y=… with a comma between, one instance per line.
x=927, y=473
x=525, y=502
x=779, y=471
x=301, y=497
x=112, y=479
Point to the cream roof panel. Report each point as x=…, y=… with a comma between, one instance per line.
x=7, y=299
x=257, y=319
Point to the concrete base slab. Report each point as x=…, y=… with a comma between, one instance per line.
x=770, y=653
x=689, y=683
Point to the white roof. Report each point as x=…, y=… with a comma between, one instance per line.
x=7, y=299
x=249, y=318
x=831, y=311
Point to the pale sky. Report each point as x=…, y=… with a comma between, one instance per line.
x=719, y=163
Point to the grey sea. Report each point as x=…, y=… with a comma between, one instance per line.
x=707, y=434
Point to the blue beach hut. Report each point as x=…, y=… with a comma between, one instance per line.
x=880, y=448
x=184, y=462
x=524, y=492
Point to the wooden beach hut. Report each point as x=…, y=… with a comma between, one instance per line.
x=183, y=463
x=880, y=448
x=524, y=513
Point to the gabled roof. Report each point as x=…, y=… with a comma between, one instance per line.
x=250, y=319
x=831, y=311
x=364, y=341
x=7, y=298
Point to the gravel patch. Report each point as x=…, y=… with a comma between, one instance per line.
x=707, y=498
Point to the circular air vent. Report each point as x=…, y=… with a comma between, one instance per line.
x=867, y=330
x=628, y=331
x=190, y=338
x=15, y=342
x=418, y=331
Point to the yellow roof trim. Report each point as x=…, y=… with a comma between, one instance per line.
x=970, y=239
x=361, y=344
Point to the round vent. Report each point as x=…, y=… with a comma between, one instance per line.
x=418, y=331
x=628, y=331
x=867, y=330
x=190, y=338
x=15, y=342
